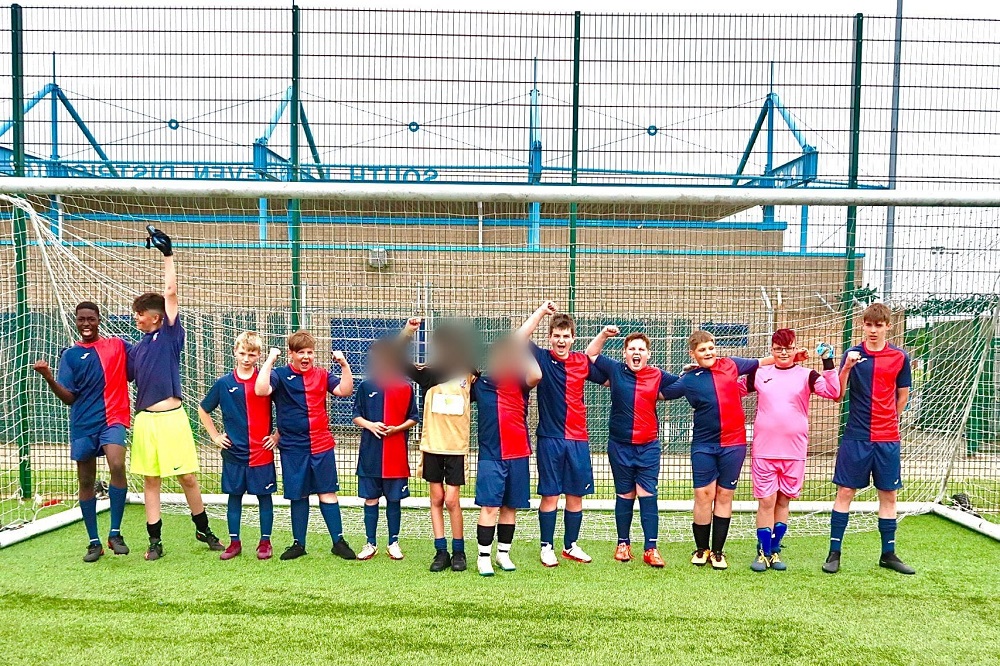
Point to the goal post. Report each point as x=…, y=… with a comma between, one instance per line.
x=663, y=260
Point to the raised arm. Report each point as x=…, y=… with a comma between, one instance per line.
x=41, y=366
x=262, y=386
x=596, y=345
x=851, y=359
x=410, y=329
x=346, y=386
x=524, y=332
x=161, y=241
x=827, y=384
x=533, y=372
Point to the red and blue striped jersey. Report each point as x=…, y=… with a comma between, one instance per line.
x=562, y=413
x=95, y=372
x=873, y=382
x=714, y=393
x=503, y=418
x=633, y=400
x=393, y=404
x=246, y=418
x=300, y=407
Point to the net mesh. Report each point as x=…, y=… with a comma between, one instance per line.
x=365, y=266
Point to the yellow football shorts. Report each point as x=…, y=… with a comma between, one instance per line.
x=163, y=444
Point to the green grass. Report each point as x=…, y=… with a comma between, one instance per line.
x=192, y=608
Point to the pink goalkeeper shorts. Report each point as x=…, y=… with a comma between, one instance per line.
x=771, y=475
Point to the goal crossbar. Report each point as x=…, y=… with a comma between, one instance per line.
x=551, y=194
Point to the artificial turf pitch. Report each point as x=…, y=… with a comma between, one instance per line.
x=190, y=608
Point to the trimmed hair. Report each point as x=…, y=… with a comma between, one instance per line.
x=783, y=337
x=250, y=341
x=699, y=337
x=562, y=320
x=877, y=313
x=88, y=305
x=300, y=340
x=637, y=335
x=149, y=302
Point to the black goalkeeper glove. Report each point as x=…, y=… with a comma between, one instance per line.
x=160, y=241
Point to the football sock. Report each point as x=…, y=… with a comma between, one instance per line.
x=505, y=537
x=764, y=542
x=393, y=519
x=331, y=515
x=547, y=526
x=266, y=508
x=720, y=531
x=300, y=519
x=887, y=530
x=484, y=535
x=371, y=522
x=649, y=518
x=458, y=545
x=776, y=536
x=623, y=518
x=702, y=533
x=234, y=513
x=153, y=529
x=440, y=543
x=572, y=520
x=117, y=497
x=838, y=525
x=200, y=521
x=88, y=508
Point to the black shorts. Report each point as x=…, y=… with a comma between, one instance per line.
x=444, y=468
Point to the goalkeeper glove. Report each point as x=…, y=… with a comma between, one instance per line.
x=160, y=241
x=825, y=351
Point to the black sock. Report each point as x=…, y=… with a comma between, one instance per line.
x=153, y=529
x=505, y=533
x=200, y=521
x=702, y=534
x=484, y=536
x=720, y=530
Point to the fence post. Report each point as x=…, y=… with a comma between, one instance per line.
x=294, y=212
x=571, y=307
x=850, y=246
x=23, y=317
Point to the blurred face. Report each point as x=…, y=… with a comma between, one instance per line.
x=876, y=333
x=148, y=321
x=704, y=354
x=561, y=342
x=246, y=359
x=636, y=355
x=783, y=356
x=505, y=360
x=382, y=365
x=302, y=359
x=87, y=322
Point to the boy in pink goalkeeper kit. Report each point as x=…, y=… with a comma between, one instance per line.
x=781, y=438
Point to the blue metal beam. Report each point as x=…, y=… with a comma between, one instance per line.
x=761, y=117
x=276, y=118
x=86, y=130
x=29, y=105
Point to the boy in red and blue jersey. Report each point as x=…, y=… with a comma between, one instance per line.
x=877, y=376
x=308, y=459
x=247, y=443
x=718, y=441
x=563, y=447
x=385, y=408
x=503, y=476
x=93, y=381
x=633, y=438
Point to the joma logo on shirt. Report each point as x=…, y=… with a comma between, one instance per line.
x=85, y=356
x=234, y=389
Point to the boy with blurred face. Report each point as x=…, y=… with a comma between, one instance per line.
x=633, y=434
x=563, y=455
x=299, y=391
x=876, y=376
x=781, y=437
x=503, y=474
x=93, y=382
x=718, y=441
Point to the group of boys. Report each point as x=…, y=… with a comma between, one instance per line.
x=287, y=409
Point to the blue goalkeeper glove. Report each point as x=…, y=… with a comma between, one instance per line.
x=826, y=351
x=160, y=241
